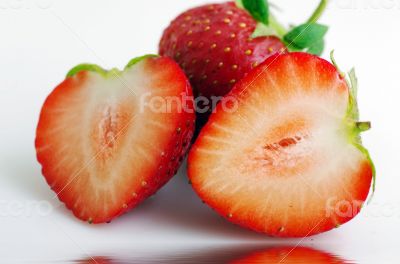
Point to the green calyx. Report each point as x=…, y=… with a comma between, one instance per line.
x=139, y=59
x=86, y=67
x=259, y=9
x=105, y=73
x=354, y=127
x=308, y=37
x=343, y=75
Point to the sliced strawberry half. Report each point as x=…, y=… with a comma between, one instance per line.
x=103, y=143
x=288, y=161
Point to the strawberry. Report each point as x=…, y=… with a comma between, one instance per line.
x=213, y=45
x=218, y=44
x=294, y=255
x=103, y=146
x=288, y=161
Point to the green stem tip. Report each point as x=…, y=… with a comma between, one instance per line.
x=318, y=12
x=363, y=126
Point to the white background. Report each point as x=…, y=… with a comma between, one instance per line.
x=40, y=40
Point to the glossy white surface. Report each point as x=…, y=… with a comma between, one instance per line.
x=42, y=39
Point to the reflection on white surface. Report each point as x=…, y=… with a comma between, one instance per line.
x=235, y=255
x=172, y=227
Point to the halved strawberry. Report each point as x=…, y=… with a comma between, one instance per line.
x=104, y=145
x=289, y=161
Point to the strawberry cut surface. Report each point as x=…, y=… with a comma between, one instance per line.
x=288, y=161
x=102, y=149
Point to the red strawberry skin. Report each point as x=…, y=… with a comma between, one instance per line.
x=99, y=152
x=213, y=45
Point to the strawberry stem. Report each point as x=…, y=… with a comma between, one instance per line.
x=363, y=126
x=318, y=12
x=278, y=27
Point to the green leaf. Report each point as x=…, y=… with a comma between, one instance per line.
x=259, y=9
x=293, y=48
x=306, y=35
x=317, y=48
x=353, y=84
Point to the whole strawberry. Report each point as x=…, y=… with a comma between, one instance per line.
x=218, y=44
x=213, y=44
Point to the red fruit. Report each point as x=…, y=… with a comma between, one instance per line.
x=294, y=255
x=214, y=46
x=102, y=149
x=289, y=161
